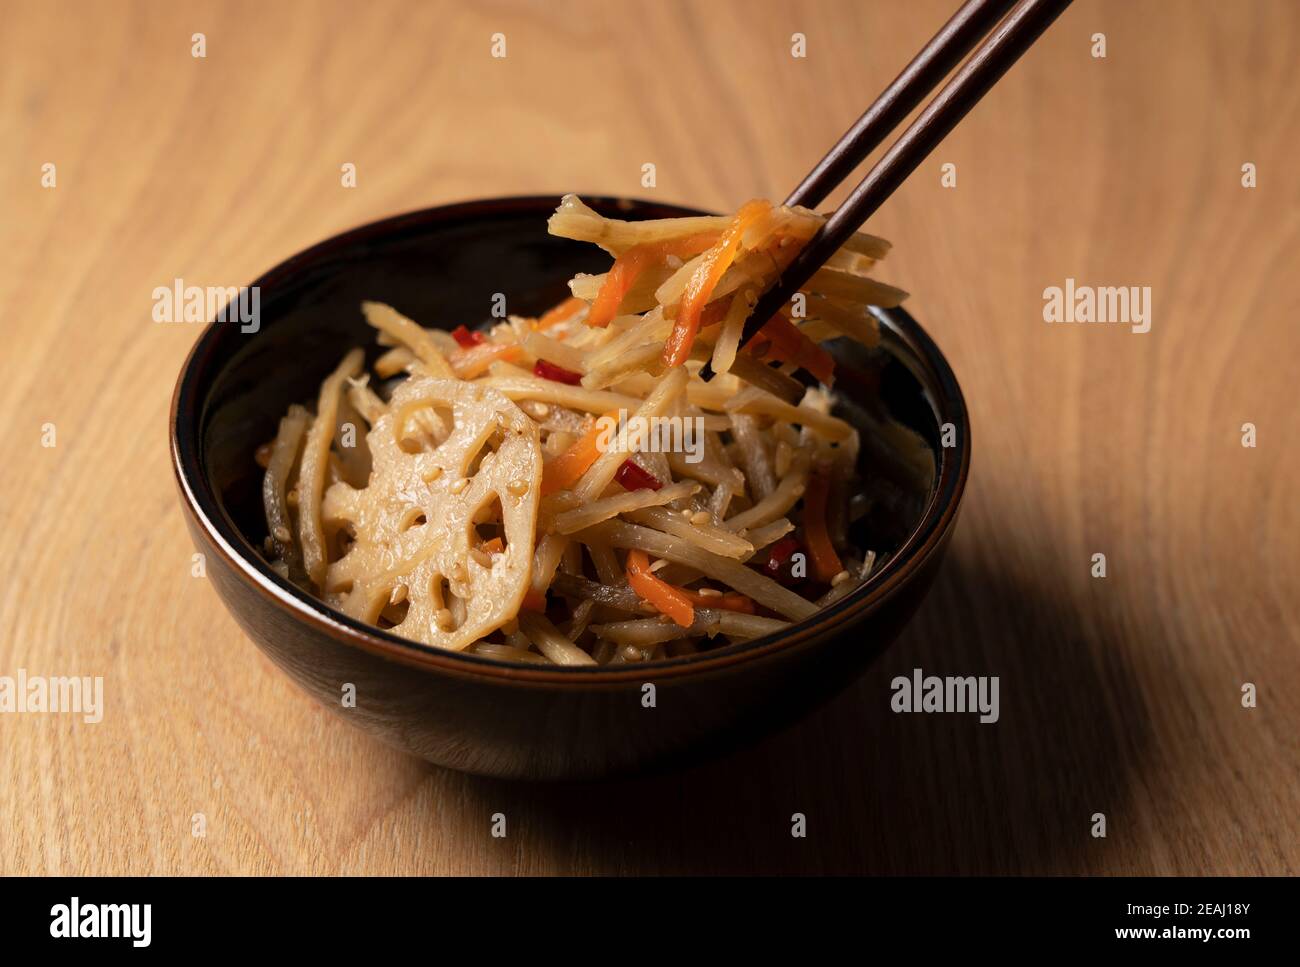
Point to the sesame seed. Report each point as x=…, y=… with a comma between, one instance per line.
x=839, y=579
x=442, y=618
x=701, y=517
x=710, y=593
x=481, y=557
x=432, y=474
x=282, y=534
x=460, y=485
x=517, y=487
x=398, y=595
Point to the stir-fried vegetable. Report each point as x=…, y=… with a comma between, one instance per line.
x=548, y=370
x=629, y=266
x=495, y=509
x=825, y=562
x=565, y=470
x=781, y=340
x=670, y=600
x=560, y=313
x=632, y=477
x=705, y=278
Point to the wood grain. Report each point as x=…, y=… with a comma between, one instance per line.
x=1119, y=695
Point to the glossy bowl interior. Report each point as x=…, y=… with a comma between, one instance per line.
x=443, y=267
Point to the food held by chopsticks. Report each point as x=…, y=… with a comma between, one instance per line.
x=566, y=489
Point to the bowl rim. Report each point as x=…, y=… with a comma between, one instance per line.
x=206, y=358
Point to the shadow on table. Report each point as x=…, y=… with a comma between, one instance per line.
x=885, y=792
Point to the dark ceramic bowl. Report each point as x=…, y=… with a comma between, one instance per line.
x=441, y=266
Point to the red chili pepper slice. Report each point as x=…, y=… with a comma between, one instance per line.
x=778, y=565
x=630, y=476
x=548, y=370
x=467, y=339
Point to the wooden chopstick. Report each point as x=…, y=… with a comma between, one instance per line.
x=944, y=51
x=1009, y=40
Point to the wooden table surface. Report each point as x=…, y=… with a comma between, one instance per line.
x=1120, y=695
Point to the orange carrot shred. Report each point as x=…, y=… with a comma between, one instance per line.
x=730, y=601
x=563, y=471
x=825, y=562
x=784, y=341
x=705, y=278
x=668, y=599
x=557, y=314
x=715, y=311
x=627, y=267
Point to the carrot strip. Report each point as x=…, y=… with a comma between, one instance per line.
x=623, y=274
x=565, y=470
x=787, y=343
x=705, y=278
x=715, y=312
x=468, y=363
x=557, y=314
x=731, y=601
x=825, y=562
x=534, y=600
x=494, y=546
x=668, y=599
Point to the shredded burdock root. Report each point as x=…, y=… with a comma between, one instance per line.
x=567, y=490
